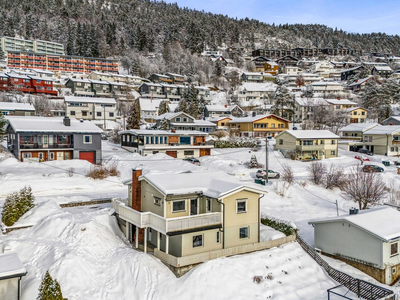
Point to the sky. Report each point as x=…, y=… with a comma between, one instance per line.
x=360, y=16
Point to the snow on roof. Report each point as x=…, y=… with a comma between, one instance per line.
x=203, y=122
x=43, y=71
x=312, y=134
x=117, y=83
x=172, y=106
x=11, y=265
x=160, y=75
x=340, y=102
x=168, y=85
x=361, y=81
x=201, y=88
x=171, y=115
x=176, y=75
x=90, y=100
x=310, y=101
x=149, y=105
x=383, y=68
x=325, y=83
x=3, y=75
x=382, y=222
x=386, y=129
x=351, y=69
x=220, y=107
x=51, y=124
x=359, y=127
x=219, y=119
x=211, y=184
x=162, y=132
x=99, y=81
x=79, y=80
x=257, y=74
x=16, y=75
x=151, y=84
x=258, y=87
x=253, y=119
x=16, y=106
x=397, y=118
x=40, y=78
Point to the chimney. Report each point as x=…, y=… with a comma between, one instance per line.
x=353, y=211
x=338, y=98
x=137, y=197
x=226, y=106
x=67, y=121
x=173, y=130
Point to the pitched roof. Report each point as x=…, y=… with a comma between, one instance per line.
x=340, y=102
x=211, y=184
x=258, y=87
x=171, y=115
x=16, y=106
x=359, y=127
x=90, y=100
x=147, y=104
x=361, y=81
x=383, y=68
x=382, y=222
x=11, y=265
x=256, y=118
x=50, y=124
x=311, y=134
x=220, y=107
x=385, y=129
x=163, y=132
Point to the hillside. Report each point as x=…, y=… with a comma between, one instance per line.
x=110, y=28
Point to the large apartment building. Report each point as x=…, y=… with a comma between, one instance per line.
x=60, y=63
x=16, y=44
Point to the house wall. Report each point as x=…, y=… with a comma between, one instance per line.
x=234, y=221
x=94, y=146
x=359, y=114
x=209, y=242
x=251, y=129
x=288, y=142
x=346, y=239
x=148, y=194
x=9, y=289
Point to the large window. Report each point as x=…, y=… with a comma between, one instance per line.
x=241, y=206
x=197, y=240
x=188, y=152
x=244, y=232
x=178, y=206
x=394, y=248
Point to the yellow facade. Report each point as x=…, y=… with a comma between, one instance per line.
x=267, y=126
x=358, y=115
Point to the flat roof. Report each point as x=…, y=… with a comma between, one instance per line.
x=16, y=106
x=11, y=266
x=90, y=100
x=162, y=132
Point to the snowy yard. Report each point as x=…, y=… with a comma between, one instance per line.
x=84, y=249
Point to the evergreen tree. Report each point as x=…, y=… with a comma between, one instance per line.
x=3, y=123
x=2, y=54
x=16, y=205
x=253, y=162
x=163, y=108
x=218, y=68
x=283, y=103
x=133, y=120
x=49, y=289
x=163, y=125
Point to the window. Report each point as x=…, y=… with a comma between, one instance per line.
x=166, y=140
x=152, y=139
x=244, y=232
x=123, y=138
x=394, y=270
x=333, y=142
x=363, y=113
x=27, y=155
x=84, y=113
x=367, y=138
x=333, y=152
x=208, y=205
x=241, y=206
x=157, y=201
x=197, y=240
x=184, y=119
x=41, y=155
x=156, y=139
x=178, y=119
x=111, y=114
x=394, y=249
x=66, y=155
x=392, y=149
x=87, y=139
x=178, y=206
x=147, y=140
x=218, y=237
x=322, y=142
x=72, y=113
x=98, y=113
x=272, y=125
x=51, y=155
x=188, y=152
x=280, y=142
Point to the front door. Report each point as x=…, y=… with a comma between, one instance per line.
x=193, y=207
x=60, y=155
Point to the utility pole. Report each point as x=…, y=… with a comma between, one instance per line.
x=337, y=208
x=266, y=159
x=104, y=106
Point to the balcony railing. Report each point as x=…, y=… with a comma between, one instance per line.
x=164, y=225
x=48, y=146
x=310, y=147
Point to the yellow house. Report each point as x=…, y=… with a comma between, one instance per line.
x=341, y=104
x=188, y=218
x=307, y=144
x=221, y=122
x=357, y=114
x=259, y=126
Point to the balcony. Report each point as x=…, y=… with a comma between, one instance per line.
x=49, y=146
x=164, y=225
x=310, y=147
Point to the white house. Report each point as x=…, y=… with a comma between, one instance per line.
x=90, y=108
x=321, y=66
x=255, y=92
x=325, y=87
x=368, y=240
x=290, y=79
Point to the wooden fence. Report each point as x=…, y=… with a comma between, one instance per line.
x=361, y=288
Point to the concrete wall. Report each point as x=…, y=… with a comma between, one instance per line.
x=9, y=289
x=346, y=239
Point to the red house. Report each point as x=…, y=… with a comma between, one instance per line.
x=3, y=82
x=19, y=83
x=42, y=85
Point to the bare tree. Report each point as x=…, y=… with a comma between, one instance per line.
x=334, y=177
x=317, y=171
x=287, y=174
x=300, y=80
x=220, y=134
x=364, y=187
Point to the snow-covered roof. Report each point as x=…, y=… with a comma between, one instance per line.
x=151, y=84
x=168, y=85
x=325, y=83
x=162, y=132
x=257, y=74
x=172, y=106
x=258, y=87
x=117, y=83
x=311, y=134
x=383, y=222
x=79, y=80
x=50, y=124
x=3, y=75
x=43, y=72
x=175, y=75
x=40, y=78
x=160, y=75
x=361, y=81
x=397, y=118
x=99, y=82
x=147, y=104
x=383, y=68
x=359, y=127
x=90, y=100
x=310, y=101
x=171, y=115
x=211, y=184
x=222, y=108
x=16, y=75
x=386, y=129
x=217, y=119
x=16, y=106
x=201, y=88
x=253, y=119
x=340, y=102
x=11, y=265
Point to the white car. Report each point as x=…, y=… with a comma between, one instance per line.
x=271, y=174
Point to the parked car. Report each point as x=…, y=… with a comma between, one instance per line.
x=192, y=160
x=365, y=151
x=372, y=168
x=271, y=174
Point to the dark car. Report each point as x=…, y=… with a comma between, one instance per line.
x=271, y=174
x=372, y=168
x=365, y=151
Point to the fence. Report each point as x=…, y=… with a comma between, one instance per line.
x=361, y=288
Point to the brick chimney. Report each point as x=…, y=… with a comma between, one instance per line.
x=226, y=105
x=338, y=98
x=136, y=189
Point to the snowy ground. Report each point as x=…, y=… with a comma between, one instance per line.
x=84, y=249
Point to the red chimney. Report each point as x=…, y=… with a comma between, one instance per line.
x=137, y=197
x=338, y=98
x=226, y=106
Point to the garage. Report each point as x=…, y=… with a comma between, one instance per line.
x=204, y=152
x=173, y=154
x=89, y=156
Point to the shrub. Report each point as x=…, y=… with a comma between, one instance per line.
x=113, y=170
x=238, y=143
x=71, y=172
x=280, y=226
x=334, y=177
x=102, y=172
x=16, y=205
x=317, y=171
x=287, y=174
x=220, y=134
x=115, y=136
x=49, y=289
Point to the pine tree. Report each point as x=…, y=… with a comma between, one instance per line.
x=163, y=108
x=163, y=125
x=283, y=103
x=133, y=120
x=49, y=289
x=3, y=123
x=2, y=54
x=16, y=205
x=253, y=162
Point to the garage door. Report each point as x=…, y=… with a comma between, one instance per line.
x=172, y=153
x=89, y=156
x=204, y=152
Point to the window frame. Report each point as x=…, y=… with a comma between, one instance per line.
x=90, y=139
x=237, y=206
x=202, y=240
x=177, y=211
x=208, y=205
x=397, y=249
x=247, y=235
x=157, y=200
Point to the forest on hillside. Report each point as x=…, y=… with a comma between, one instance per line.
x=114, y=27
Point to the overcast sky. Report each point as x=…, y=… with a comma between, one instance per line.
x=362, y=16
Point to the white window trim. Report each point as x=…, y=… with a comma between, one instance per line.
x=248, y=233
x=397, y=242
x=202, y=240
x=208, y=210
x=177, y=211
x=90, y=142
x=158, y=200
x=241, y=200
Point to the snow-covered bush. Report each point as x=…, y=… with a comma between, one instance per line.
x=253, y=163
x=285, y=227
x=238, y=143
x=102, y=172
x=49, y=289
x=334, y=177
x=16, y=205
x=115, y=136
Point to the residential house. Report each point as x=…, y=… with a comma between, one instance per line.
x=359, y=84
x=340, y=104
x=322, y=66
x=392, y=120
x=44, y=139
x=149, y=108
x=11, y=272
x=182, y=89
x=191, y=217
x=348, y=73
x=259, y=126
x=351, y=136
x=42, y=85
x=183, y=121
x=90, y=108
x=221, y=122
x=171, y=91
x=151, y=90
x=325, y=87
x=222, y=110
x=175, y=143
x=382, y=71
x=101, y=76
x=177, y=78
x=307, y=144
x=45, y=73
x=383, y=140
x=271, y=68
x=158, y=78
x=17, y=109
x=289, y=80
x=101, y=88
x=135, y=80
x=255, y=93
x=287, y=60
x=259, y=63
x=118, y=89
x=19, y=83
x=357, y=115
x=367, y=240
x=256, y=77
x=80, y=87
x=304, y=107
x=203, y=92
x=232, y=77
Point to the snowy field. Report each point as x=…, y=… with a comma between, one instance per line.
x=84, y=249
